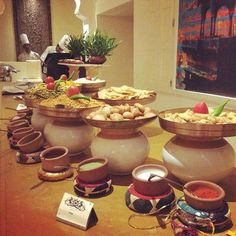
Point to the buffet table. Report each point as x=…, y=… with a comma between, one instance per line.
x=29, y=207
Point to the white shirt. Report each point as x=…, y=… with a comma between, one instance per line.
x=49, y=49
x=28, y=56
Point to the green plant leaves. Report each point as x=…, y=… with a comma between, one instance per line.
x=97, y=44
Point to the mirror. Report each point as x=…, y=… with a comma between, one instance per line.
x=34, y=19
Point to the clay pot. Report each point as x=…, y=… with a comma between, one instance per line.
x=93, y=169
x=197, y=195
x=19, y=116
x=21, y=132
x=55, y=159
x=13, y=125
x=97, y=59
x=28, y=111
x=153, y=187
x=31, y=142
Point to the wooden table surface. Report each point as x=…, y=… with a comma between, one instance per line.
x=26, y=211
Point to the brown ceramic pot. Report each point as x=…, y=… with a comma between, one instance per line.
x=150, y=187
x=31, y=142
x=21, y=132
x=97, y=59
x=93, y=169
x=55, y=159
x=13, y=125
x=203, y=195
x=19, y=116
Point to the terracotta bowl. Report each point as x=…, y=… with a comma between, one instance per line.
x=19, y=116
x=153, y=187
x=31, y=142
x=55, y=159
x=21, y=132
x=28, y=111
x=203, y=195
x=93, y=169
x=13, y=125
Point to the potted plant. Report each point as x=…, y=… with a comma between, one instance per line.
x=98, y=46
x=76, y=46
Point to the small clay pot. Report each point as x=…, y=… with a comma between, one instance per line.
x=97, y=59
x=28, y=111
x=198, y=195
x=93, y=169
x=13, y=125
x=19, y=116
x=153, y=187
x=21, y=132
x=55, y=159
x=31, y=142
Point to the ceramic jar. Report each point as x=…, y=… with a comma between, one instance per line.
x=39, y=120
x=75, y=135
x=124, y=150
x=184, y=158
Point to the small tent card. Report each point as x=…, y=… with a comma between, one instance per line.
x=77, y=212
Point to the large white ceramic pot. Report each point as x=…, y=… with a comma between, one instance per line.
x=199, y=160
x=75, y=135
x=39, y=120
x=124, y=150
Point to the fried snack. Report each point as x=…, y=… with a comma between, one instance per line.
x=64, y=100
x=225, y=117
x=121, y=112
x=124, y=92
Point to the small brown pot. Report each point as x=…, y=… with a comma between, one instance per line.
x=19, y=116
x=13, y=125
x=21, y=132
x=31, y=142
x=194, y=192
x=55, y=159
x=97, y=59
x=93, y=169
x=153, y=187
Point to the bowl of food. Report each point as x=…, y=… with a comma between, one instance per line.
x=119, y=117
x=21, y=132
x=125, y=94
x=16, y=124
x=55, y=159
x=93, y=169
x=31, y=142
x=149, y=179
x=203, y=195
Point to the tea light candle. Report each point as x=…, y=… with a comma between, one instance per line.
x=145, y=174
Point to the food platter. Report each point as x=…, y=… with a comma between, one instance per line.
x=196, y=130
x=90, y=86
x=113, y=102
x=61, y=113
x=124, y=124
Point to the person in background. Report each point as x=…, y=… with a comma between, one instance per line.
x=59, y=48
x=27, y=53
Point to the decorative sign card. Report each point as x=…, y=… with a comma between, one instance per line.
x=76, y=211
